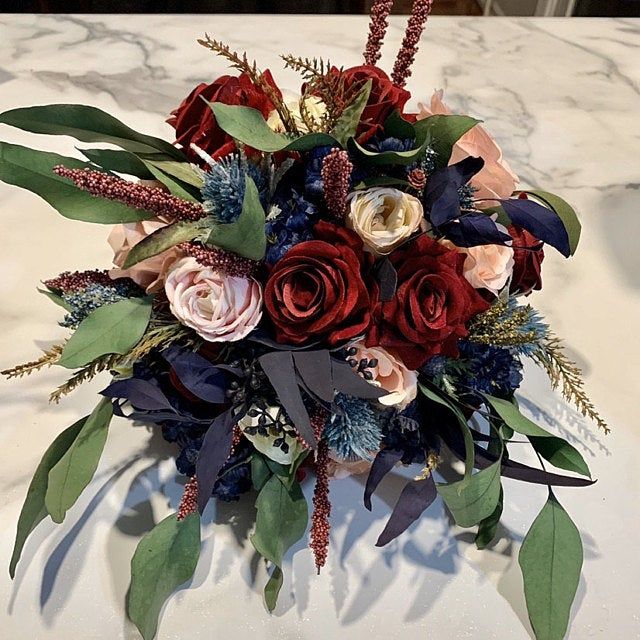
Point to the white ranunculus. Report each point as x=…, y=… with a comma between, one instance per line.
x=383, y=217
x=219, y=307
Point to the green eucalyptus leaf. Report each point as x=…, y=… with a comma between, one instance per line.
x=246, y=236
x=444, y=131
x=56, y=299
x=397, y=127
x=74, y=471
x=281, y=521
x=556, y=450
x=34, y=510
x=437, y=395
x=113, y=328
x=248, y=126
x=183, y=172
x=348, y=122
x=119, y=161
x=165, y=238
x=260, y=471
x=488, y=527
x=33, y=170
x=165, y=558
x=85, y=123
x=377, y=158
x=175, y=187
x=550, y=559
x=565, y=212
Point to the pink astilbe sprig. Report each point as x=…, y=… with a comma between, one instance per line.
x=415, y=26
x=380, y=10
x=132, y=194
x=336, y=180
x=69, y=281
x=320, y=525
x=189, y=502
x=225, y=261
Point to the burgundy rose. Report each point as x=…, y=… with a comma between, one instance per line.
x=194, y=121
x=384, y=99
x=316, y=291
x=431, y=307
x=528, y=255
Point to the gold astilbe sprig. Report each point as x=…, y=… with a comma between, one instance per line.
x=566, y=375
x=162, y=335
x=241, y=62
x=86, y=373
x=501, y=326
x=48, y=358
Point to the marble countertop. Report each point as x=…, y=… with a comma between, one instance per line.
x=562, y=96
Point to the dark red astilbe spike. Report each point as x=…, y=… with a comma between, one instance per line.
x=320, y=525
x=189, y=502
x=132, y=194
x=75, y=280
x=380, y=10
x=225, y=261
x=415, y=26
x=336, y=180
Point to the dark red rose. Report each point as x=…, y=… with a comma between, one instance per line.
x=528, y=255
x=432, y=305
x=385, y=98
x=316, y=291
x=194, y=121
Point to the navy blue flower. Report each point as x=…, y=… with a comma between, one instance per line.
x=380, y=145
x=313, y=183
x=234, y=478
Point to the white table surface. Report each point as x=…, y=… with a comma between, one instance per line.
x=562, y=98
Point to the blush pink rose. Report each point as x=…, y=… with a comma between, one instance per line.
x=496, y=179
x=220, y=308
x=149, y=273
x=389, y=374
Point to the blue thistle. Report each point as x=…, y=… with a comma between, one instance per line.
x=534, y=325
x=95, y=295
x=355, y=433
x=224, y=185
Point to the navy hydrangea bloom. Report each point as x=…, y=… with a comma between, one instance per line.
x=402, y=432
x=292, y=224
x=490, y=370
x=235, y=476
x=313, y=183
x=224, y=185
x=380, y=145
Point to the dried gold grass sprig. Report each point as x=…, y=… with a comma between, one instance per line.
x=500, y=326
x=257, y=77
x=49, y=357
x=565, y=374
x=86, y=373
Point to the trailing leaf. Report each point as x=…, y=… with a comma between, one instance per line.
x=281, y=521
x=381, y=158
x=85, y=123
x=33, y=170
x=488, y=527
x=165, y=558
x=113, y=328
x=56, y=299
x=34, y=510
x=119, y=161
x=74, y=471
x=550, y=559
x=175, y=186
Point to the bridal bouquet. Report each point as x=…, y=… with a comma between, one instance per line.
x=306, y=287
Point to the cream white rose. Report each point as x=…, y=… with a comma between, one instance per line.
x=265, y=442
x=313, y=105
x=383, y=217
x=390, y=374
x=220, y=308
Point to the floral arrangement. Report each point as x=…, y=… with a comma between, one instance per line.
x=308, y=287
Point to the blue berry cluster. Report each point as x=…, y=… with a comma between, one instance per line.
x=83, y=301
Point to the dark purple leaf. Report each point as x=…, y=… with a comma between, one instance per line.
x=387, y=277
x=216, y=447
x=473, y=229
x=197, y=374
x=441, y=198
x=141, y=394
x=346, y=380
x=279, y=368
x=314, y=368
x=414, y=499
x=384, y=461
x=261, y=337
x=543, y=223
